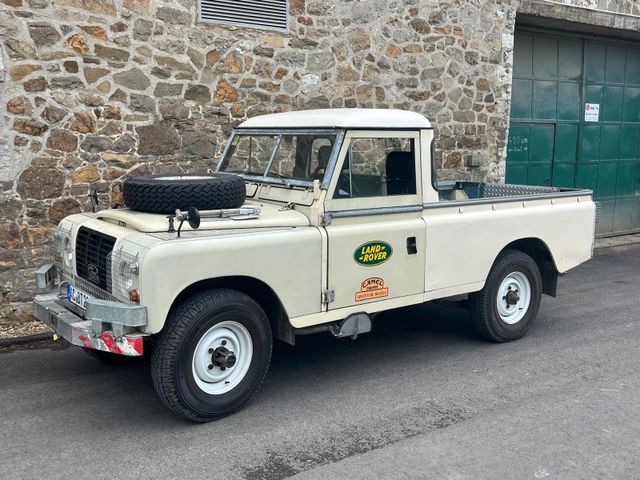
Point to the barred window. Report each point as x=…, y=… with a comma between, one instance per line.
x=268, y=14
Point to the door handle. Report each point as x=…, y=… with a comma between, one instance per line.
x=412, y=248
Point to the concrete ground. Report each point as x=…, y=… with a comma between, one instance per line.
x=419, y=397
x=618, y=241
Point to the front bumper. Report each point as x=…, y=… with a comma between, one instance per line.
x=106, y=326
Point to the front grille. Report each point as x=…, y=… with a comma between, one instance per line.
x=92, y=252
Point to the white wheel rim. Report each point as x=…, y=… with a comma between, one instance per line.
x=514, y=298
x=214, y=378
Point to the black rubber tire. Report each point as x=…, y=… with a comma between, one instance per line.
x=482, y=305
x=152, y=194
x=171, y=361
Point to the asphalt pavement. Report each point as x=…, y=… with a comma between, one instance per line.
x=419, y=397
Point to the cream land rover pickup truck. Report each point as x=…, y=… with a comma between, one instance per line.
x=314, y=221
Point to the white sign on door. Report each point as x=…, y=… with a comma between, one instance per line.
x=592, y=112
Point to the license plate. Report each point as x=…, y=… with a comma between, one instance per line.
x=77, y=297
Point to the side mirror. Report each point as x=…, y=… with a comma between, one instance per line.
x=193, y=217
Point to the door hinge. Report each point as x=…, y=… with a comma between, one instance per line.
x=328, y=296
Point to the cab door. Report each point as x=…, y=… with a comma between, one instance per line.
x=376, y=237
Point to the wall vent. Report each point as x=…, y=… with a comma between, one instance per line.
x=268, y=14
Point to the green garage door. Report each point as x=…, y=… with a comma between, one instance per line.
x=575, y=121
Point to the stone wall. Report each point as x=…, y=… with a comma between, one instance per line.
x=617, y=6
x=4, y=146
x=96, y=90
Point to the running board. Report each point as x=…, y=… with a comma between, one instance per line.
x=354, y=325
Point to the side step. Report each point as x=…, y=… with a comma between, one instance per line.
x=352, y=326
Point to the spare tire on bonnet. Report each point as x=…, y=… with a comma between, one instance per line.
x=165, y=193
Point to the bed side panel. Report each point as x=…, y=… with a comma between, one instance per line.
x=464, y=241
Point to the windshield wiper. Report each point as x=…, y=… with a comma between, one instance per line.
x=281, y=178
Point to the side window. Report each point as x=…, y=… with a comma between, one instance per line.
x=378, y=167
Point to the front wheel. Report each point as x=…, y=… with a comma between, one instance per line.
x=507, y=306
x=212, y=355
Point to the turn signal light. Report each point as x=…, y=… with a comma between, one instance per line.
x=134, y=296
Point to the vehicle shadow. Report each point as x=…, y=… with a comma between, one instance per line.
x=429, y=324
x=124, y=393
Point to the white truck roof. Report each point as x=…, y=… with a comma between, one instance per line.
x=340, y=118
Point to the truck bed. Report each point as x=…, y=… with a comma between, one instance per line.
x=466, y=190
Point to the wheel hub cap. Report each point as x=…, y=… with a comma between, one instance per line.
x=223, y=357
x=512, y=297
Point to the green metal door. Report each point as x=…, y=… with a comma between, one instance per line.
x=575, y=121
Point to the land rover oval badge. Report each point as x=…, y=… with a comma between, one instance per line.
x=371, y=254
x=93, y=271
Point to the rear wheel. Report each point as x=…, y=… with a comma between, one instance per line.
x=212, y=355
x=507, y=306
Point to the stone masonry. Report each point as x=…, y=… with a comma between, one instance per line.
x=95, y=90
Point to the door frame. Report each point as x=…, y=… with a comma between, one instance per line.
x=584, y=38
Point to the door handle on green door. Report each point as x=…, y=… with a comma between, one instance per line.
x=412, y=248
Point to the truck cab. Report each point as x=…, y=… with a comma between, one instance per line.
x=367, y=175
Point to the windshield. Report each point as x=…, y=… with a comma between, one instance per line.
x=282, y=157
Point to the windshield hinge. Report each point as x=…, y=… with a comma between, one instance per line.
x=328, y=296
x=288, y=206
